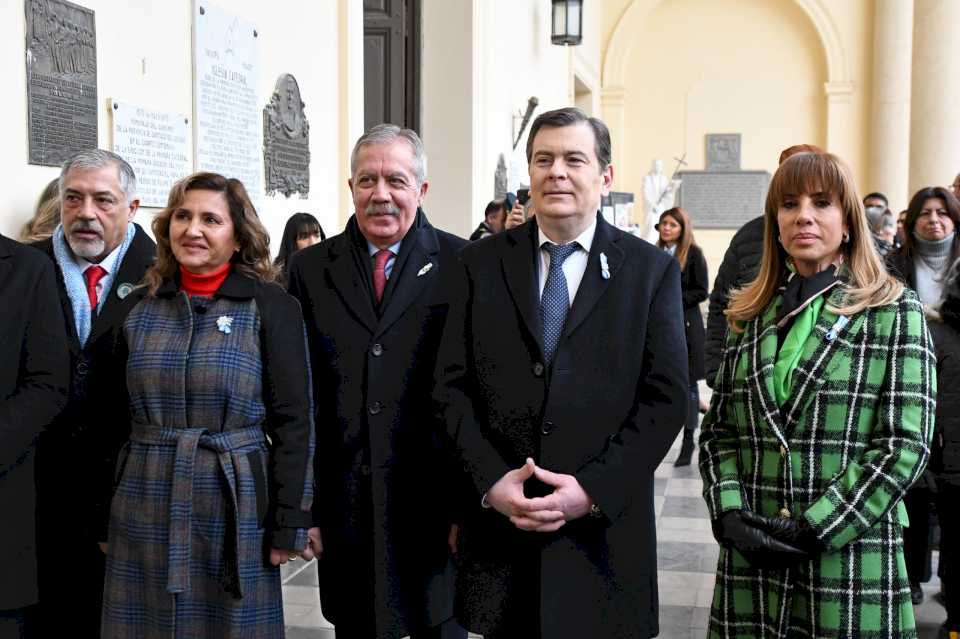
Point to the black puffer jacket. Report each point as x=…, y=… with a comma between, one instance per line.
x=740, y=265
x=945, y=456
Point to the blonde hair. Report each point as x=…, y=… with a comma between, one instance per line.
x=253, y=258
x=685, y=241
x=46, y=215
x=868, y=283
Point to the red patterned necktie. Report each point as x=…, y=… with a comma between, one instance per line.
x=93, y=275
x=380, y=273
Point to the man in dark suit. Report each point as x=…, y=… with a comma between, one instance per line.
x=563, y=383
x=375, y=302
x=33, y=389
x=99, y=256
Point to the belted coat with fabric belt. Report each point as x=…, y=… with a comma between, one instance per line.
x=202, y=494
x=851, y=437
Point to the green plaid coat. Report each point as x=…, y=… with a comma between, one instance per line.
x=840, y=452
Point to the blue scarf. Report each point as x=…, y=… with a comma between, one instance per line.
x=75, y=284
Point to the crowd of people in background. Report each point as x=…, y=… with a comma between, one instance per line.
x=197, y=413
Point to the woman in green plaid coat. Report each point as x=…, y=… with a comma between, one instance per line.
x=821, y=419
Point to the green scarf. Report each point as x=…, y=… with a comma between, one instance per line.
x=792, y=349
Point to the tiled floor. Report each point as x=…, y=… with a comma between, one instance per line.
x=687, y=556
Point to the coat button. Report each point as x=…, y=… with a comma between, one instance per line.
x=82, y=368
x=546, y=428
x=538, y=369
x=375, y=408
x=365, y=469
x=784, y=513
x=376, y=350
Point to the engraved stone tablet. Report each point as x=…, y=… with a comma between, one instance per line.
x=723, y=200
x=228, y=132
x=723, y=152
x=155, y=145
x=61, y=50
x=286, y=140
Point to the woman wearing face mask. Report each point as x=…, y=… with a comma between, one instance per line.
x=821, y=417
x=302, y=230
x=676, y=238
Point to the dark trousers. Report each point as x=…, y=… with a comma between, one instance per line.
x=70, y=584
x=947, y=497
x=19, y=623
x=693, y=407
x=447, y=630
x=918, y=537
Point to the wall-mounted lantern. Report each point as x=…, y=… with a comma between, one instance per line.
x=567, y=22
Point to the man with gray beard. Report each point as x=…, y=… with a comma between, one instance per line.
x=375, y=302
x=99, y=256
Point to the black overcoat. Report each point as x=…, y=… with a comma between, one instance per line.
x=76, y=454
x=694, y=282
x=740, y=265
x=382, y=500
x=605, y=411
x=33, y=389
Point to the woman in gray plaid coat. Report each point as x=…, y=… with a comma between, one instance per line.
x=215, y=483
x=821, y=419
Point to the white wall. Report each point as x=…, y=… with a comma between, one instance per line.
x=144, y=58
x=482, y=61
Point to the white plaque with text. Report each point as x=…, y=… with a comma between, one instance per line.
x=155, y=145
x=226, y=75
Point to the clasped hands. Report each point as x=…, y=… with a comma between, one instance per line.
x=567, y=502
x=314, y=548
x=767, y=542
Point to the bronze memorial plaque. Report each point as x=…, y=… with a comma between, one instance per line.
x=61, y=80
x=286, y=140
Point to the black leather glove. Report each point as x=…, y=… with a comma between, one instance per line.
x=794, y=532
x=734, y=530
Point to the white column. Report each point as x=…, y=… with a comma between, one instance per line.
x=934, y=121
x=841, y=120
x=890, y=120
x=612, y=100
x=350, y=83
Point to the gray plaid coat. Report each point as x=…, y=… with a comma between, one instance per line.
x=845, y=446
x=202, y=494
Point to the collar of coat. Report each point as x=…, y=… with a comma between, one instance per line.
x=5, y=246
x=238, y=286
x=820, y=354
x=520, y=262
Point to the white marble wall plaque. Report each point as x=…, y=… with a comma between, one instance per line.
x=228, y=136
x=155, y=145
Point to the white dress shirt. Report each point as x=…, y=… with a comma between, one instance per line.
x=574, y=266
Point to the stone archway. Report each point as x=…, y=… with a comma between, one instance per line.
x=838, y=88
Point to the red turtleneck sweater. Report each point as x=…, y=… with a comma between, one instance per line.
x=203, y=285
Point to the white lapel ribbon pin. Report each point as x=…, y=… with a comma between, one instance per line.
x=838, y=326
x=124, y=289
x=426, y=269
x=224, y=323
x=604, y=266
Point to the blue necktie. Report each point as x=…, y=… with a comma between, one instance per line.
x=555, y=301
